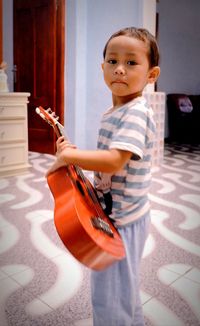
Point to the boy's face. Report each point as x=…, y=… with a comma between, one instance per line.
x=126, y=68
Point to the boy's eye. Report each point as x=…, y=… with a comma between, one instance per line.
x=112, y=61
x=131, y=63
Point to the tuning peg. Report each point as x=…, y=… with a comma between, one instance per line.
x=54, y=116
x=37, y=110
x=49, y=111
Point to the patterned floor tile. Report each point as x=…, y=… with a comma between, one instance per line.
x=41, y=284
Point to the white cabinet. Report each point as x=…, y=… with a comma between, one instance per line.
x=13, y=133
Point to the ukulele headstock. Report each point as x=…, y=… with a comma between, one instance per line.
x=50, y=117
x=47, y=115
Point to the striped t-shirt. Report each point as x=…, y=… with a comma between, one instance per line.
x=130, y=127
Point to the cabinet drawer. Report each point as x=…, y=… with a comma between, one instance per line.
x=13, y=130
x=10, y=111
x=13, y=154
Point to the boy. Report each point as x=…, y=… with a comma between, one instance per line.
x=122, y=165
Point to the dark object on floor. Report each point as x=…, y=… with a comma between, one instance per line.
x=184, y=118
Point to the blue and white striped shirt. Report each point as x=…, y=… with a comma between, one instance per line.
x=130, y=127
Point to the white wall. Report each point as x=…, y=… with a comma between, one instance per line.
x=179, y=39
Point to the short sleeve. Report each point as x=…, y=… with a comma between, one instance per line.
x=130, y=133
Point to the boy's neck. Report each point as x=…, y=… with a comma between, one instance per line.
x=121, y=100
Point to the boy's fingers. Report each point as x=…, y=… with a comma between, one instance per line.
x=60, y=139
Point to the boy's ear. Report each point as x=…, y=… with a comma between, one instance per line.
x=154, y=74
x=102, y=65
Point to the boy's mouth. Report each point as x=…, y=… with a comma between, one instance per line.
x=118, y=81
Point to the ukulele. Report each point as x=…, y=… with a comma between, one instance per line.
x=80, y=221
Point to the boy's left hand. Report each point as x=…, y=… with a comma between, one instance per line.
x=61, y=145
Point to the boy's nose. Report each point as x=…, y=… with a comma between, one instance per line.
x=120, y=70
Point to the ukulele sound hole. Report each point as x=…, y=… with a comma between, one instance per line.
x=101, y=225
x=80, y=188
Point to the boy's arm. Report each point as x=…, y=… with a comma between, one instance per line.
x=108, y=161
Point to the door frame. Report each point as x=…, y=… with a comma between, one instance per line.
x=60, y=58
x=1, y=31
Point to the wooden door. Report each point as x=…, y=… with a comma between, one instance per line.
x=39, y=64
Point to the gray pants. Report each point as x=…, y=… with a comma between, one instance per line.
x=115, y=290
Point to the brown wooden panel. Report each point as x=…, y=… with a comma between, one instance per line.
x=35, y=55
x=24, y=51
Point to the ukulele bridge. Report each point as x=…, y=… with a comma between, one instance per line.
x=101, y=225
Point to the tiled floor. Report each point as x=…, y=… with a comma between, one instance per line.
x=42, y=284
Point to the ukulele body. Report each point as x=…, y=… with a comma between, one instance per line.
x=81, y=222
x=79, y=218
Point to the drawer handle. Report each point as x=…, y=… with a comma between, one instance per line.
x=3, y=159
x=2, y=134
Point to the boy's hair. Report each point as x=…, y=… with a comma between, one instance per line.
x=143, y=35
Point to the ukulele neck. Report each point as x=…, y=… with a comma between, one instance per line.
x=59, y=130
